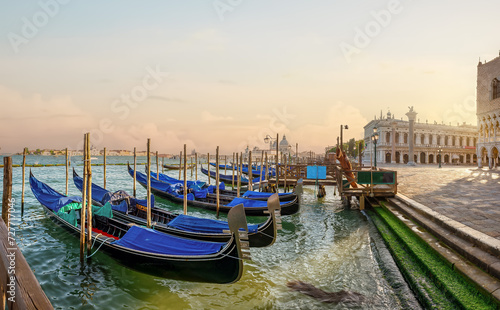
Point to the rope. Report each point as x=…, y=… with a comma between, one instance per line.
x=98, y=247
x=238, y=258
x=261, y=232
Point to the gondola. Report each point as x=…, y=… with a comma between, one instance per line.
x=254, y=195
x=228, y=178
x=129, y=209
x=244, y=169
x=148, y=250
x=202, y=200
x=176, y=167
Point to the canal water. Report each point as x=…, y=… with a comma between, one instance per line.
x=323, y=245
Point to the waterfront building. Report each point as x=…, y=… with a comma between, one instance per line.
x=488, y=112
x=457, y=143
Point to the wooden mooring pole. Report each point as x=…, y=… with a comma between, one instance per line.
x=7, y=189
x=148, y=169
x=208, y=168
x=277, y=164
x=135, y=173
x=89, y=198
x=22, y=191
x=185, y=189
x=84, y=199
x=250, y=171
x=196, y=166
x=104, y=167
x=19, y=288
x=180, y=164
x=261, y=169
x=232, y=179
x=67, y=171
x=238, y=178
x=240, y=173
x=157, y=167
x=217, y=197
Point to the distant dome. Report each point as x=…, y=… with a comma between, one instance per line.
x=283, y=142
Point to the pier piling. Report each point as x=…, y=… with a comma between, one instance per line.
x=185, y=189
x=135, y=173
x=217, y=180
x=7, y=188
x=148, y=170
x=22, y=191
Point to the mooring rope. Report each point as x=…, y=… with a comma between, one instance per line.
x=99, y=245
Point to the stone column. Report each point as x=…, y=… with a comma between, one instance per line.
x=393, y=138
x=411, y=117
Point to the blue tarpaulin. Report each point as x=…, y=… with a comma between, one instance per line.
x=151, y=241
x=201, y=225
x=254, y=194
x=248, y=203
x=49, y=197
x=103, y=195
x=316, y=172
x=196, y=185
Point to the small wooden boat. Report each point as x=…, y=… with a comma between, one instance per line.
x=198, y=200
x=176, y=166
x=148, y=250
x=130, y=209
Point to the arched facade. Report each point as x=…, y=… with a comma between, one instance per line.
x=457, y=142
x=488, y=113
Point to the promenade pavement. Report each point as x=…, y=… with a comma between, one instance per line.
x=466, y=194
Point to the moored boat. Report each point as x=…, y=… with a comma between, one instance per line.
x=148, y=250
x=130, y=209
x=201, y=199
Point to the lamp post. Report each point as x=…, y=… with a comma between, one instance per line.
x=269, y=139
x=439, y=152
x=374, y=139
x=341, y=136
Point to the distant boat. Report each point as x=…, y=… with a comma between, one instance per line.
x=200, y=199
x=177, y=167
x=226, y=192
x=148, y=250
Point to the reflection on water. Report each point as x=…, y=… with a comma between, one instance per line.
x=319, y=245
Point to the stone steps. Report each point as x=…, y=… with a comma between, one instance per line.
x=473, y=248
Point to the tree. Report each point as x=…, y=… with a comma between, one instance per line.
x=350, y=147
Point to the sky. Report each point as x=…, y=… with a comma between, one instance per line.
x=229, y=72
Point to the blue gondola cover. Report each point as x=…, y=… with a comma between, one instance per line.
x=201, y=225
x=151, y=241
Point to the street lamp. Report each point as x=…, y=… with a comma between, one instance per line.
x=269, y=139
x=374, y=139
x=341, y=135
x=439, y=152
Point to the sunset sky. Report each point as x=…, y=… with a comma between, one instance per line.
x=229, y=72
